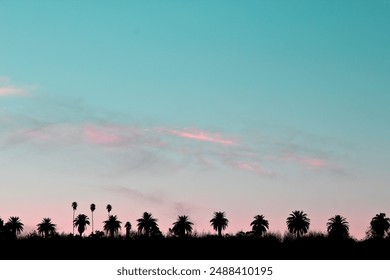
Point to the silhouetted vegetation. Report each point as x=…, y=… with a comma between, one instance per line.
x=183, y=242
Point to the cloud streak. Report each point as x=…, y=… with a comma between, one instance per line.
x=8, y=89
x=201, y=135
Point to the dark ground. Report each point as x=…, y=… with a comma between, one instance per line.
x=193, y=249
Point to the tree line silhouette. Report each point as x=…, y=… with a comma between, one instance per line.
x=297, y=223
x=149, y=235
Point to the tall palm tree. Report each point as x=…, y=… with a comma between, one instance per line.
x=128, y=228
x=92, y=207
x=147, y=224
x=109, y=208
x=219, y=222
x=74, y=206
x=259, y=225
x=338, y=227
x=81, y=222
x=15, y=226
x=46, y=227
x=112, y=225
x=379, y=225
x=182, y=226
x=298, y=223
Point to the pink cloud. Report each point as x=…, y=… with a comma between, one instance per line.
x=252, y=167
x=12, y=90
x=199, y=135
x=308, y=162
x=103, y=137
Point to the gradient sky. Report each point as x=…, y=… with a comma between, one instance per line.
x=191, y=107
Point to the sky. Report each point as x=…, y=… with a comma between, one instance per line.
x=191, y=107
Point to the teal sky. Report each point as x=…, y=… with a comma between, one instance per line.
x=191, y=107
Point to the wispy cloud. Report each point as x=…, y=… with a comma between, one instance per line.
x=8, y=89
x=136, y=194
x=307, y=161
x=99, y=136
x=200, y=135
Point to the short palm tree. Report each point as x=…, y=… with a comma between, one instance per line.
x=259, y=225
x=379, y=225
x=183, y=226
x=93, y=208
x=147, y=224
x=46, y=227
x=81, y=222
x=338, y=227
x=128, y=228
x=74, y=206
x=109, y=208
x=298, y=223
x=112, y=225
x=219, y=222
x=15, y=226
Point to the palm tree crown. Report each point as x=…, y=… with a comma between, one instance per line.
x=46, y=227
x=81, y=222
x=147, y=224
x=338, y=227
x=112, y=225
x=109, y=208
x=379, y=225
x=182, y=226
x=259, y=225
x=298, y=223
x=15, y=226
x=219, y=222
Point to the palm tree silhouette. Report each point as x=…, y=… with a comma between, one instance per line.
x=112, y=225
x=109, y=208
x=46, y=227
x=15, y=226
x=147, y=224
x=81, y=222
x=219, y=222
x=92, y=207
x=182, y=226
x=298, y=223
x=379, y=225
x=128, y=228
x=338, y=227
x=74, y=206
x=259, y=225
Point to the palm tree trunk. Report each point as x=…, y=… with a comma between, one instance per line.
x=219, y=232
x=72, y=222
x=92, y=221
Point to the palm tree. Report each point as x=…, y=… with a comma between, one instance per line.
x=259, y=225
x=338, y=227
x=298, y=223
x=74, y=206
x=81, y=222
x=15, y=226
x=147, y=224
x=219, y=222
x=379, y=225
x=109, y=208
x=112, y=225
x=128, y=228
x=46, y=227
x=182, y=226
x=92, y=207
